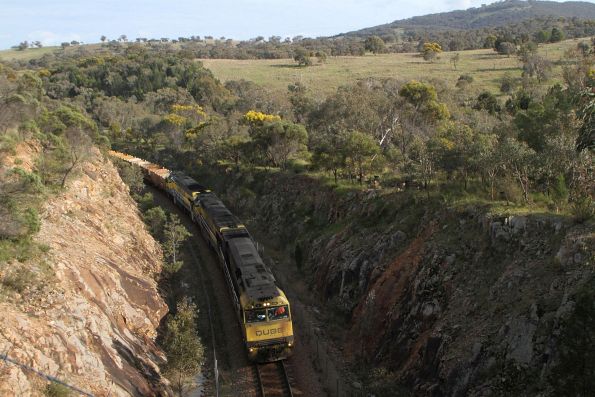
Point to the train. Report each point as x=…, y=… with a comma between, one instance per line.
x=261, y=306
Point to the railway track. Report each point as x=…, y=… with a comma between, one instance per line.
x=273, y=379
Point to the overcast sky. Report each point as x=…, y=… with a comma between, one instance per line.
x=55, y=21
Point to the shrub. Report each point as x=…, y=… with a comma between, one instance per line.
x=510, y=191
x=18, y=279
x=131, y=176
x=183, y=348
x=559, y=192
x=464, y=80
x=155, y=218
x=56, y=390
x=583, y=209
x=144, y=202
x=508, y=83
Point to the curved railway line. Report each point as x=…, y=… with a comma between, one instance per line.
x=273, y=379
x=202, y=280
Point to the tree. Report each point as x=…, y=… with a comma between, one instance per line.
x=487, y=101
x=65, y=44
x=517, y=159
x=23, y=45
x=359, y=151
x=490, y=41
x=423, y=162
x=155, y=218
x=186, y=123
x=586, y=115
x=279, y=141
x=103, y=38
x=431, y=51
x=423, y=97
x=79, y=145
x=123, y=38
x=234, y=147
x=556, y=35
x=559, y=192
x=329, y=154
x=584, y=48
x=536, y=66
x=452, y=148
x=374, y=44
x=508, y=83
x=302, y=57
x=132, y=176
x=543, y=36
x=174, y=235
x=183, y=348
x=506, y=48
x=321, y=56
x=454, y=59
x=418, y=93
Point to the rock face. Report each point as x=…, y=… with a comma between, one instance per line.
x=448, y=301
x=92, y=321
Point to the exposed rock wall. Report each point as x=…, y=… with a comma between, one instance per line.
x=91, y=319
x=448, y=301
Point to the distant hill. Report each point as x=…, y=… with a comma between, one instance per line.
x=488, y=16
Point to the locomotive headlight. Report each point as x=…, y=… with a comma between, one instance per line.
x=289, y=344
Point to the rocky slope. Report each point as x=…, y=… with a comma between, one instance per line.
x=90, y=311
x=446, y=301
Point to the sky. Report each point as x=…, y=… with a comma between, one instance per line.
x=56, y=21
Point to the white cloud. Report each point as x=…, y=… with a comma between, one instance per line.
x=50, y=38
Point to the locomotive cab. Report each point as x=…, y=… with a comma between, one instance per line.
x=264, y=309
x=268, y=329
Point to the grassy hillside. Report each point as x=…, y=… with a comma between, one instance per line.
x=26, y=55
x=492, y=15
x=485, y=66
x=33, y=53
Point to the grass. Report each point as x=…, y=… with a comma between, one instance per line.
x=485, y=66
x=27, y=54
x=33, y=53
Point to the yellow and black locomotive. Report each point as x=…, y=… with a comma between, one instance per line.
x=261, y=306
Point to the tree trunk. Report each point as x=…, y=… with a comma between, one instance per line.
x=68, y=171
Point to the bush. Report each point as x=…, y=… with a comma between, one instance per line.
x=132, y=176
x=145, y=201
x=464, y=80
x=583, y=209
x=19, y=279
x=510, y=191
x=559, y=192
x=8, y=143
x=155, y=218
x=183, y=348
x=508, y=83
x=56, y=390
